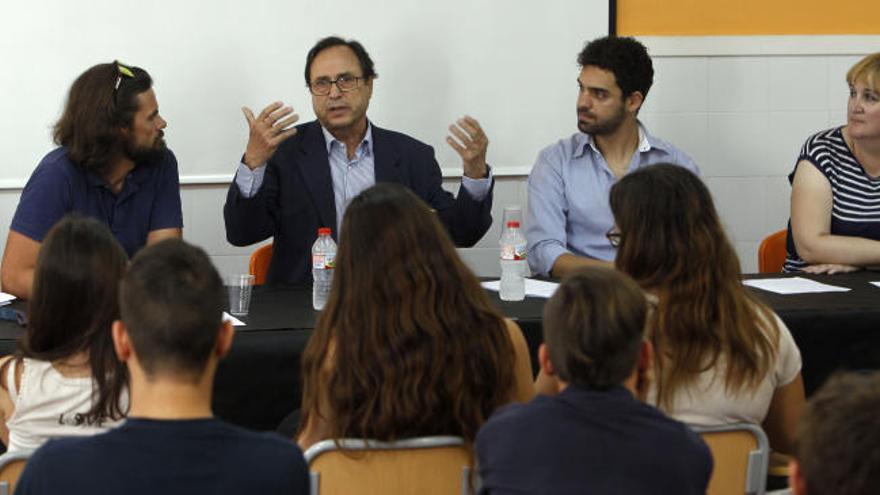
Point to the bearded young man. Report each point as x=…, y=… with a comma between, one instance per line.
x=111, y=164
x=569, y=220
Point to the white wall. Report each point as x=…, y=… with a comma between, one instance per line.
x=742, y=117
x=210, y=57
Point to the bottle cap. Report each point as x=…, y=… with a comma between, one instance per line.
x=513, y=224
x=324, y=231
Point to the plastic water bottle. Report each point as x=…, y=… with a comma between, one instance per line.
x=323, y=263
x=513, y=263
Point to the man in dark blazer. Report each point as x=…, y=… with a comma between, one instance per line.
x=293, y=180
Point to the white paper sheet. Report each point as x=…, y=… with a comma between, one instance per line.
x=534, y=288
x=235, y=321
x=794, y=285
x=6, y=298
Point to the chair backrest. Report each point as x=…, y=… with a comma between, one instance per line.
x=423, y=465
x=259, y=265
x=771, y=252
x=741, y=452
x=11, y=466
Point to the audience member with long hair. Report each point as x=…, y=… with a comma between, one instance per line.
x=722, y=356
x=64, y=379
x=408, y=343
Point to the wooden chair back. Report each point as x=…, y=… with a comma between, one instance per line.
x=741, y=452
x=424, y=465
x=11, y=466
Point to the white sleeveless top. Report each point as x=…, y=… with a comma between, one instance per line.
x=50, y=405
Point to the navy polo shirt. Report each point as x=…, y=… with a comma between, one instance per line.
x=149, y=199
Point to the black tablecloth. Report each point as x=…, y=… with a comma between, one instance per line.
x=258, y=383
x=834, y=330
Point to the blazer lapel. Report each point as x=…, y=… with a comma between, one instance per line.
x=387, y=158
x=315, y=170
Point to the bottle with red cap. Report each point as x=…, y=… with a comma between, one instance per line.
x=514, y=266
x=323, y=263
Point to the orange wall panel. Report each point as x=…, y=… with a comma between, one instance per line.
x=746, y=17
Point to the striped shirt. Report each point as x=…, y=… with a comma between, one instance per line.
x=855, y=208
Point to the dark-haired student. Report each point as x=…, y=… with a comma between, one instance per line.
x=293, y=180
x=111, y=164
x=568, y=212
x=838, y=438
x=722, y=355
x=171, y=337
x=64, y=379
x=595, y=435
x=406, y=325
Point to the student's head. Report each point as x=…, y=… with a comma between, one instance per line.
x=111, y=112
x=393, y=246
x=410, y=338
x=670, y=232
x=616, y=74
x=838, y=436
x=673, y=244
x=74, y=303
x=75, y=288
x=171, y=301
x=594, y=328
x=342, y=105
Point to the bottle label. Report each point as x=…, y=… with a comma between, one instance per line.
x=323, y=261
x=513, y=252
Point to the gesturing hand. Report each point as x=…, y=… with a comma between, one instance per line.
x=471, y=145
x=267, y=131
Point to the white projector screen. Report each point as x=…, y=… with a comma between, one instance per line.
x=509, y=64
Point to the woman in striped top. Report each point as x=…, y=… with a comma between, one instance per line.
x=835, y=196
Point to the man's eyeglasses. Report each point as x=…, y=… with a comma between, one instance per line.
x=345, y=82
x=121, y=71
x=613, y=236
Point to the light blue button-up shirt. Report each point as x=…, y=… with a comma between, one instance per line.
x=350, y=177
x=568, y=197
